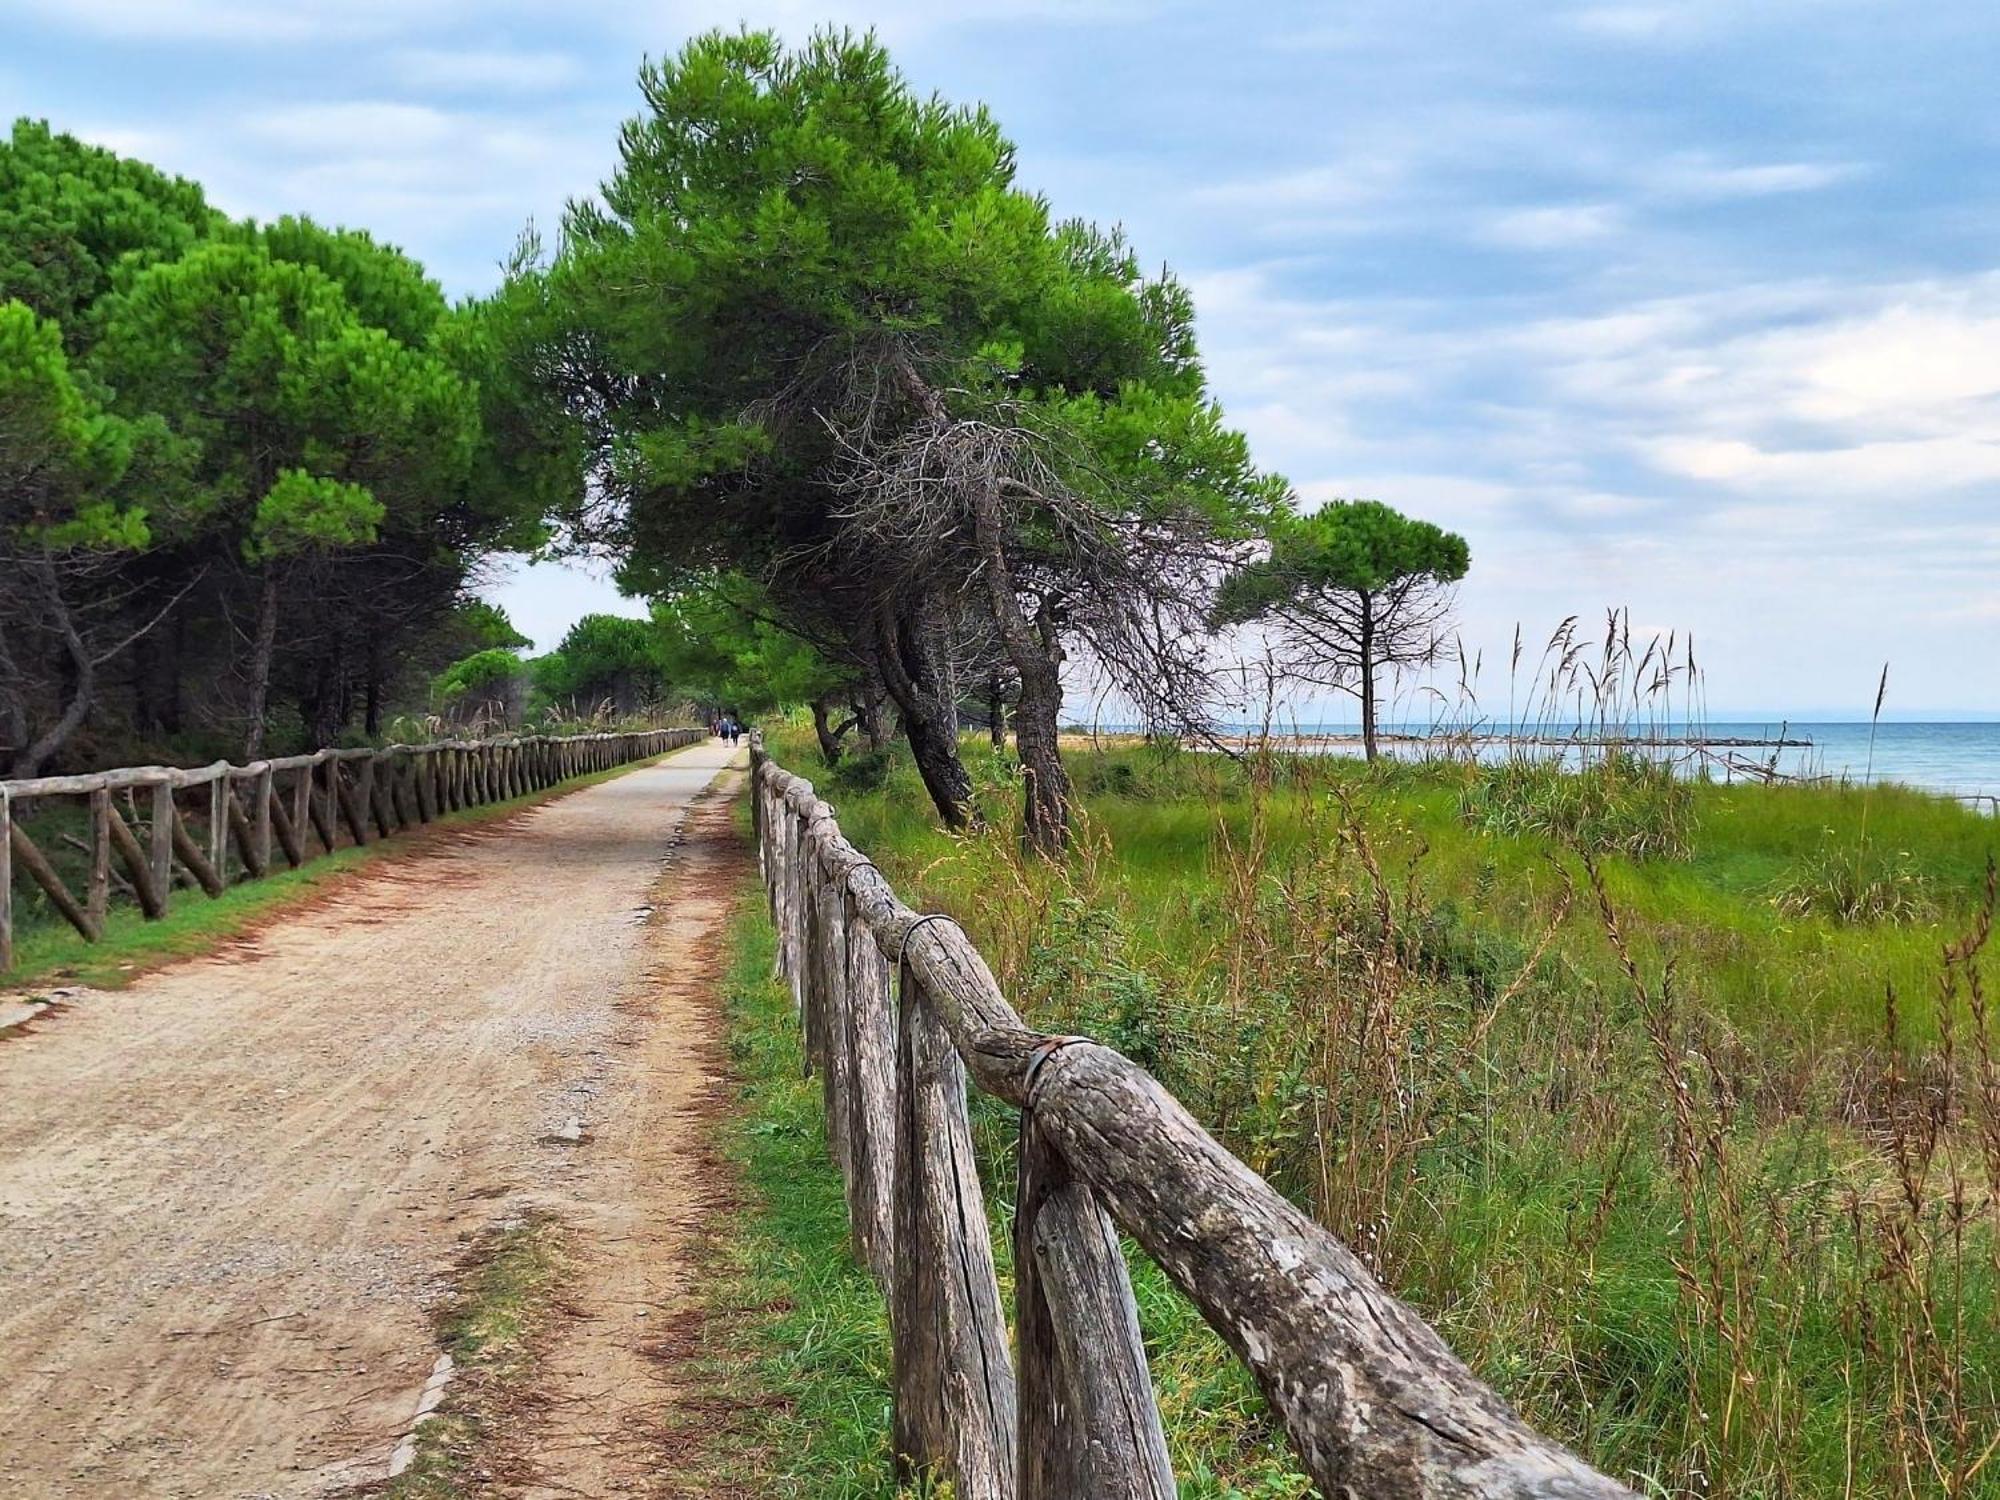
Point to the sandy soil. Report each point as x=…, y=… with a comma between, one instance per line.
x=232, y=1194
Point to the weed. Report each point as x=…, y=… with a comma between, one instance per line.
x=1635, y=1138
x=1852, y=888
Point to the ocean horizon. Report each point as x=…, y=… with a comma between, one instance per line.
x=1953, y=757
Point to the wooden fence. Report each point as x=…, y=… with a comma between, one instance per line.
x=271, y=813
x=1376, y=1404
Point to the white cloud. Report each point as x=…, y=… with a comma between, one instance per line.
x=490, y=70
x=358, y=127
x=1702, y=178
x=1555, y=227
x=1351, y=182
x=1895, y=474
x=1631, y=23
x=253, y=22
x=1847, y=390
x=1448, y=499
x=1917, y=362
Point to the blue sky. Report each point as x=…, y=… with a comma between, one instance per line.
x=1691, y=308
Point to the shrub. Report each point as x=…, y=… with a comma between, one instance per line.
x=1626, y=804
x=862, y=771
x=1852, y=888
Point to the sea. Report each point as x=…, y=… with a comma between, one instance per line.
x=1957, y=759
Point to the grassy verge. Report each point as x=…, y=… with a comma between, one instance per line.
x=505, y=1295
x=1693, y=1149
x=795, y=1340
x=798, y=1336
x=49, y=951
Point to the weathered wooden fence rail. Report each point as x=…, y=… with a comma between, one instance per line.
x=898, y=1009
x=271, y=813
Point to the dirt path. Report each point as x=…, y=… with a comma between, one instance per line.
x=232, y=1194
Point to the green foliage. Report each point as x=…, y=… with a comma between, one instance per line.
x=863, y=771
x=718, y=644
x=528, y=463
x=1624, y=803
x=266, y=367
x=486, y=625
x=60, y=454
x=201, y=419
x=384, y=288
x=602, y=657
x=1344, y=547
x=484, y=674
x=77, y=221
x=799, y=263
x=771, y=207
x=303, y=513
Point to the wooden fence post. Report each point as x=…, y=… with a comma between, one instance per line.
x=191, y=855
x=138, y=869
x=246, y=839
x=6, y=880
x=160, y=844
x=871, y=1099
x=826, y=961
x=262, y=824
x=31, y=859
x=1089, y=1423
x=290, y=819
x=781, y=890
x=97, y=896
x=954, y=1387
x=218, y=823
x=385, y=792
x=291, y=838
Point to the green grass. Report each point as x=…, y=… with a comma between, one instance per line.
x=798, y=1331
x=47, y=950
x=1375, y=990
x=507, y=1290
x=805, y=1335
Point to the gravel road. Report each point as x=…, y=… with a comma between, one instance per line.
x=233, y=1194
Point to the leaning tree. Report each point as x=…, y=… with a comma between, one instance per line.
x=1350, y=590
x=815, y=335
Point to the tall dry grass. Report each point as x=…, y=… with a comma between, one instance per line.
x=1720, y=1264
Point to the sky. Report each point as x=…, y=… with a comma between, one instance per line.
x=1691, y=309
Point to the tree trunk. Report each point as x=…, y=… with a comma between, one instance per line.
x=829, y=737
x=170, y=690
x=261, y=653
x=82, y=678
x=870, y=703
x=13, y=706
x=1368, y=676
x=320, y=713
x=1037, y=716
x=996, y=709
x=372, y=720
x=1037, y=658
x=907, y=653
x=145, y=714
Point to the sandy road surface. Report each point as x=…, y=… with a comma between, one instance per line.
x=231, y=1194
